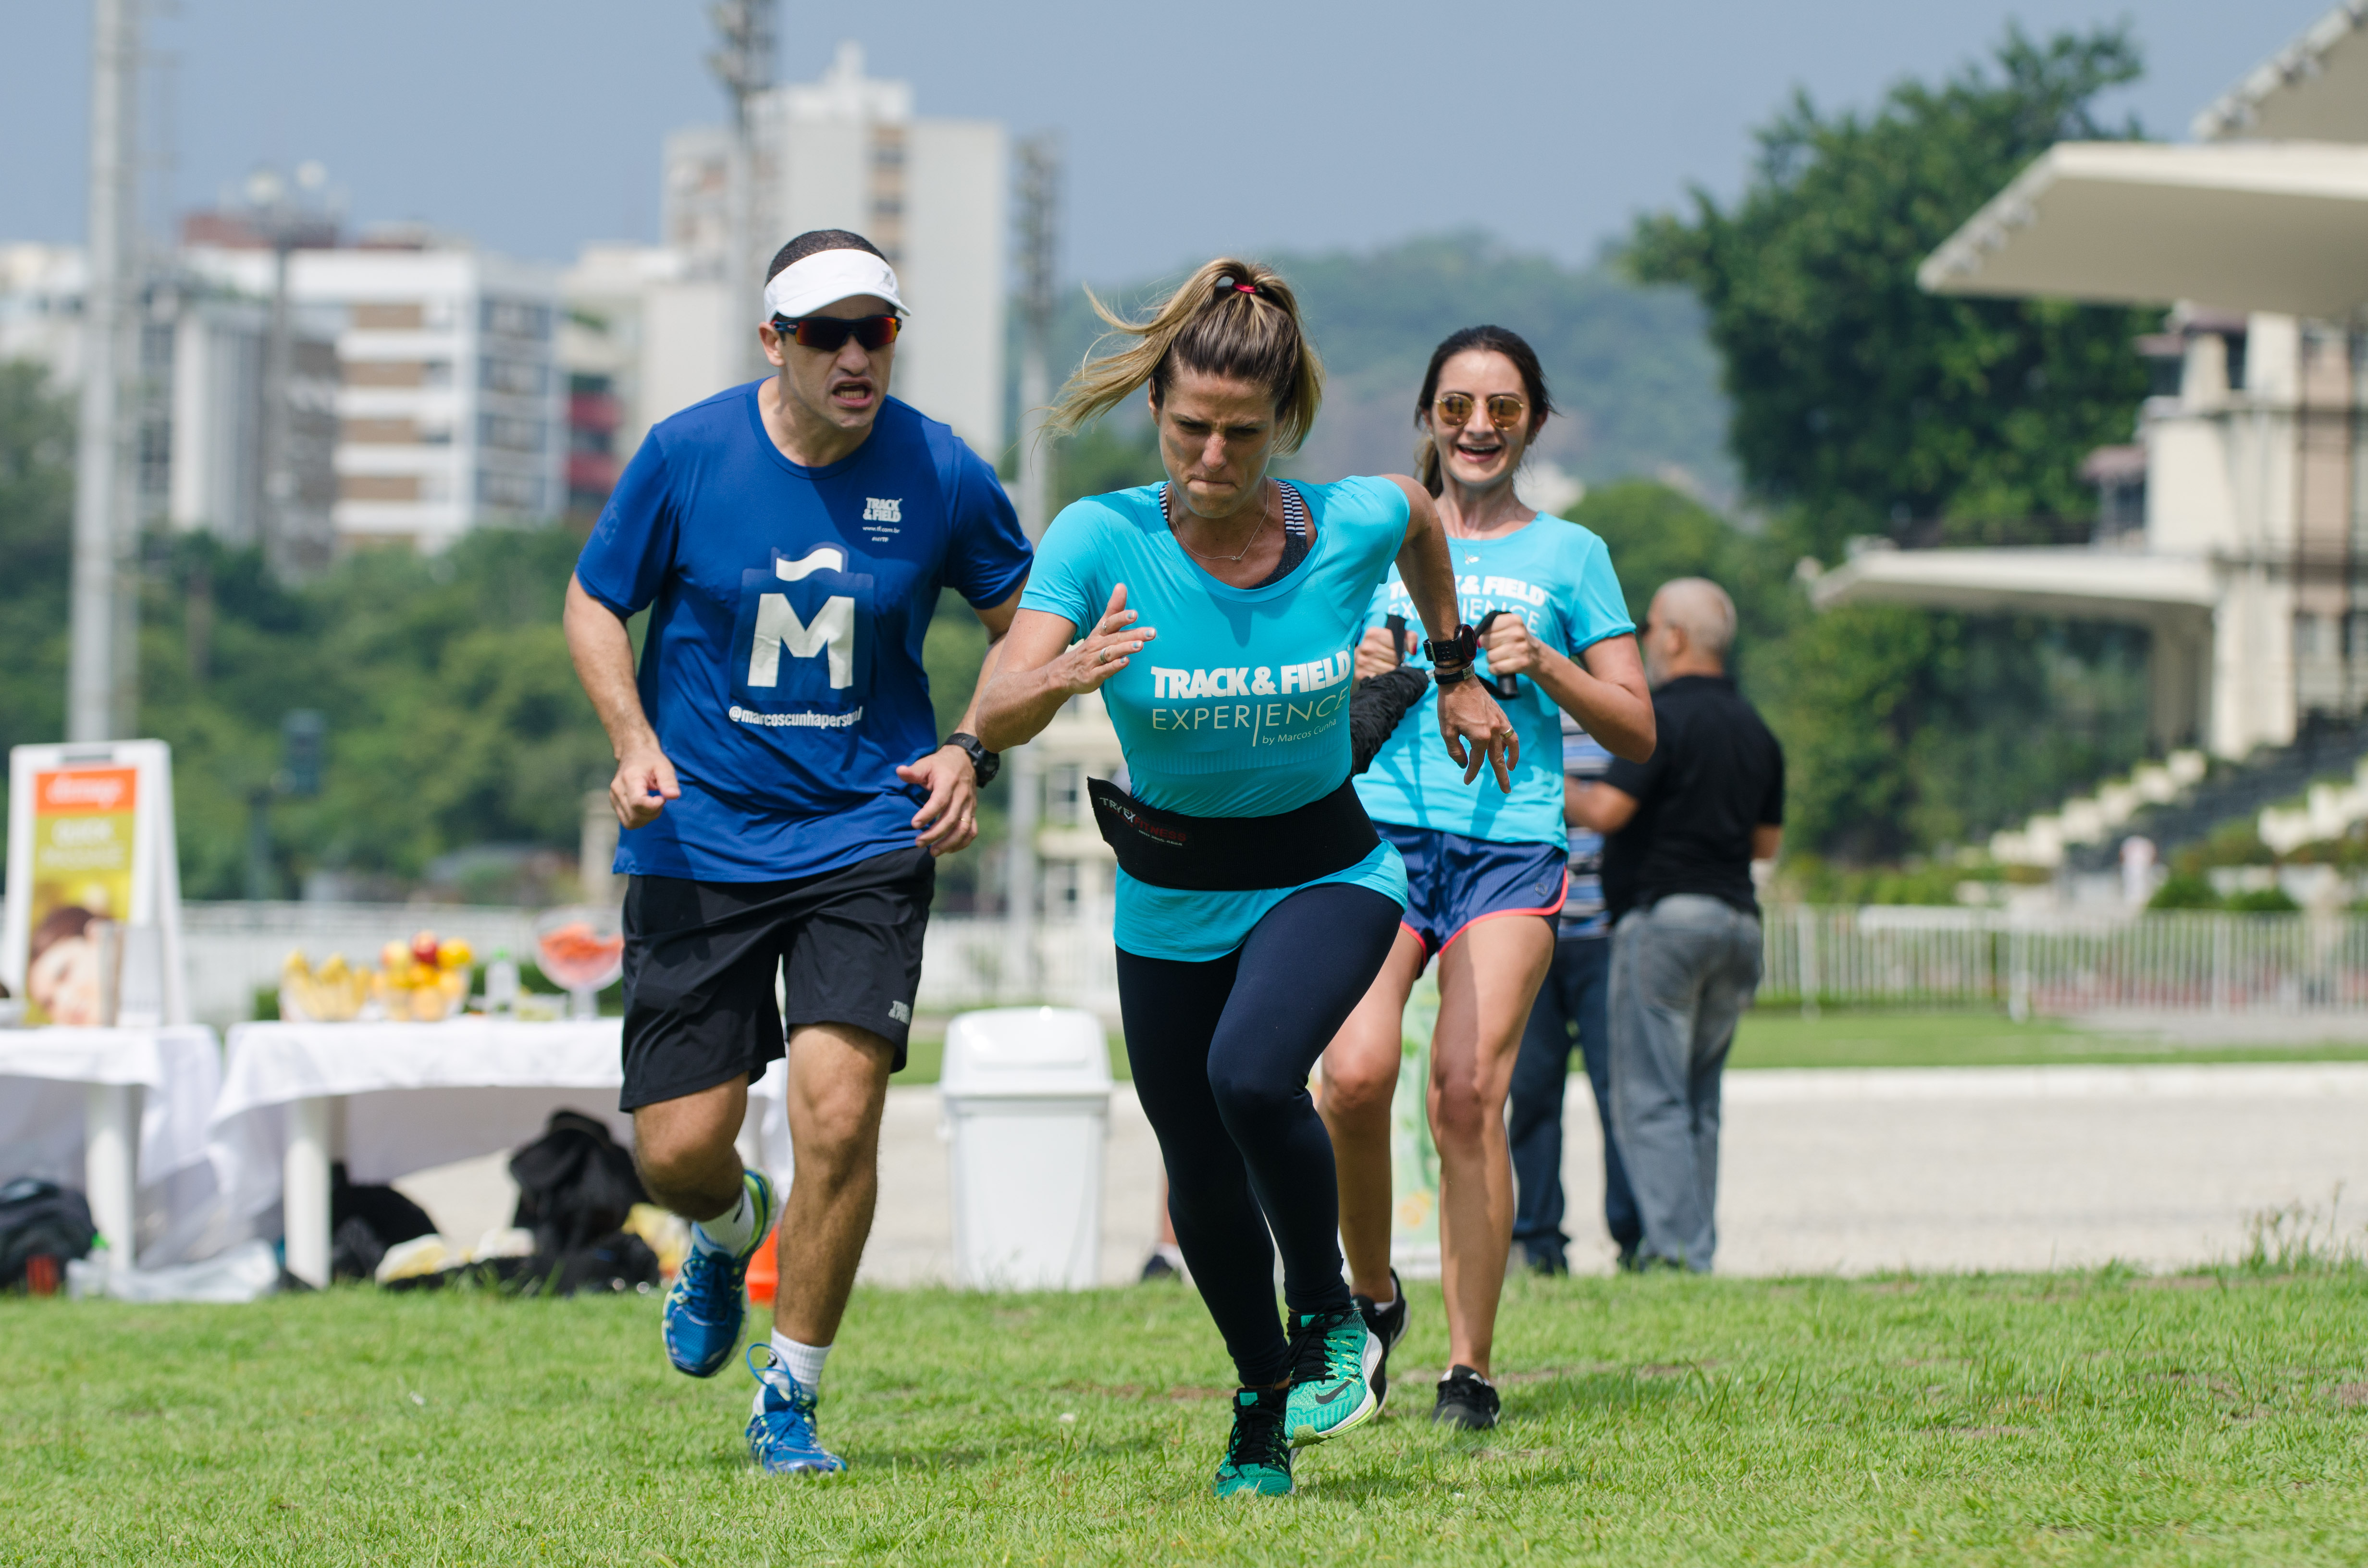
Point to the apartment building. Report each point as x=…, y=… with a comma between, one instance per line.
x=847, y=152
x=452, y=409
x=196, y=398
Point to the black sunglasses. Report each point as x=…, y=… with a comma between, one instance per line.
x=830, y=334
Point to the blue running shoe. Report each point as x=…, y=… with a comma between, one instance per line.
x=709, y=1297
x=781, y=1435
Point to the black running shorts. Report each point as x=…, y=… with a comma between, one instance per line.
x=701, y=957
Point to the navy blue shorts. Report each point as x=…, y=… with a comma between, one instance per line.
x=1453, y=880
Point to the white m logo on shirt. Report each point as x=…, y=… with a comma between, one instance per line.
x=831, y=632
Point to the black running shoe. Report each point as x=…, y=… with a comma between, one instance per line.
x=1387, y=1325
x=1466, y=1400
x=1157, y=1266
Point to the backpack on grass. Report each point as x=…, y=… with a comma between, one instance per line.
x=41, y=1219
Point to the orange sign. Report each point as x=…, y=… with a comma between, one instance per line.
x=73, y=791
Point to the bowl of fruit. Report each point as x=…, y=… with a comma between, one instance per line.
x=424, y=980
x=332, y=993
x=582, y=951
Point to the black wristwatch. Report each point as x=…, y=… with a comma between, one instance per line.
x=984, y=764
x=1451, y=659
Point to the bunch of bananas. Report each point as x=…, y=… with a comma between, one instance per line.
x=329, y=995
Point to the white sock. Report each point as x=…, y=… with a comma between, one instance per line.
x=730, y=1231
x=802, y=1362
x=1172, y=1253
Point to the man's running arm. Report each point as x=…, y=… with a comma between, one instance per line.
x=603, y=652
x=947, y=820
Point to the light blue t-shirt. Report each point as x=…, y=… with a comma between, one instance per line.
x=1239, y=708
x=1556, y=577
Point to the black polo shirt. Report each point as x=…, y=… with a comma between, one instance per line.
x=1715, y=774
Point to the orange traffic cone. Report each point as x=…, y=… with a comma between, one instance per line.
x=764, y=1273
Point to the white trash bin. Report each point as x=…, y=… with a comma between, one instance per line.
x=1025, y=1097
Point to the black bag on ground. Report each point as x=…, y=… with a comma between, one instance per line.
x=576, y=1185
x=364, y=1221
x=41, y=1219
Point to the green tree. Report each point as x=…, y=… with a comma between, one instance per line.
x=36, y=540
x=1655, y=533
x=1861, y=401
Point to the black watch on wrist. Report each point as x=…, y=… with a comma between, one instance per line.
x=984, y=764
x=1454, y=653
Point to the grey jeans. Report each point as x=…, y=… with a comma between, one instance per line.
x=1682, y=971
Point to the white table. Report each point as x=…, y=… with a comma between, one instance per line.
x=390, y=1099
x=121, y=1113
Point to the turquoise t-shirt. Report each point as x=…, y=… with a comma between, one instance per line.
x=1556, y=575
x=1239, y=707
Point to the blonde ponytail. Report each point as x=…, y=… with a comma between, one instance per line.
x=1232, y=318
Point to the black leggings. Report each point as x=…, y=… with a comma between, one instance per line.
x=1221, y=1052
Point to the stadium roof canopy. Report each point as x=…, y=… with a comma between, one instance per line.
x=2245, y=226
x=2313, y=90
x=2269, y=214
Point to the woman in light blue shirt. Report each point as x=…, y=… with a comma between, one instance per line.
x=1486, y=871
x=1220, y=614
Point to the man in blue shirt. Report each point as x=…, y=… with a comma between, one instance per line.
x=1574, y=999
x=783, y=790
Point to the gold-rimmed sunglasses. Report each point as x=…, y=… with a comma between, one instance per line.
x=1506, y=412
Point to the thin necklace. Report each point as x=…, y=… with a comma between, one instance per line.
x=1169, y=519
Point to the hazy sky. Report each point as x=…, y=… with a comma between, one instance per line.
x=533, y=125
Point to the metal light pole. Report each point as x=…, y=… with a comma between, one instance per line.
x=744, y=65
x=1038, y=193
x=100, y=671
x=285, y=222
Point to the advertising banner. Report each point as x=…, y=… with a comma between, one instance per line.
x=82, y=849
x=93, y=926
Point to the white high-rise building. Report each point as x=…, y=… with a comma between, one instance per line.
x=198, y=398
x=848, y=152
x=452, y=409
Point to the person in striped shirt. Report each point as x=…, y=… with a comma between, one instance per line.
x=1572, y=1009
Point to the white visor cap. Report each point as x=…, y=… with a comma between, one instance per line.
x=827, y=276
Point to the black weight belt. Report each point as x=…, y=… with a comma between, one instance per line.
x=1168, y=849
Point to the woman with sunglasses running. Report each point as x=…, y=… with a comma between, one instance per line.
x=1484, y=870
x=1255, y=902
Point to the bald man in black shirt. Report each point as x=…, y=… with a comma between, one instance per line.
x=1681, y=831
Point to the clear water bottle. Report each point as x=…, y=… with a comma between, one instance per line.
x=502, y=985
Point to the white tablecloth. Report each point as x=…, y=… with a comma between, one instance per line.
x=418, y=1095
x=43, y=1075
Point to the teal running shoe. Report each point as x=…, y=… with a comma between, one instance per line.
x=709, y=1297
x=1256, y=1461
x=1333, y=1359
x=781, y=1435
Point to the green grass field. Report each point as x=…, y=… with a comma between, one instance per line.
x=1773, y=1037
x=2094, y=1418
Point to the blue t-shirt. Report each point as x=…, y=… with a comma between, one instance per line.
x=1556, y=577
x=1240, y=706
x=782, y=666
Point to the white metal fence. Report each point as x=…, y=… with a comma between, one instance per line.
x=2065, y=964
x=1878, y=955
